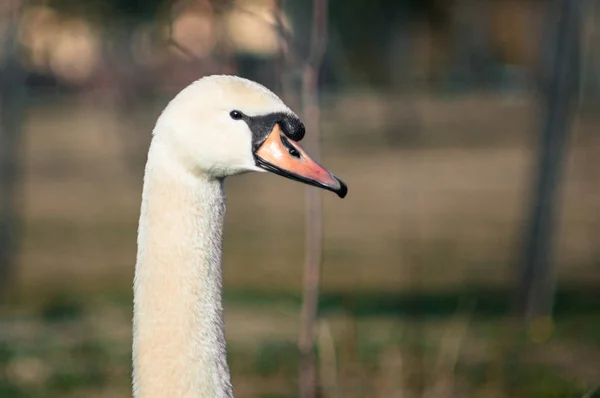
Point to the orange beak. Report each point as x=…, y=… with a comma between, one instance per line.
x=280, y=155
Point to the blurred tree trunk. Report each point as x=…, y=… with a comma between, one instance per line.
x=559, y=77
x=11, y=116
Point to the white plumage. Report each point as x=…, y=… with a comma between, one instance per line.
x=179, y=347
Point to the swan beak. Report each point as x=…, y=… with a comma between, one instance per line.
x=280, y=155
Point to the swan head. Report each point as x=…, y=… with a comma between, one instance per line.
x=226, y=125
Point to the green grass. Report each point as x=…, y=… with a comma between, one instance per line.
x=69, y=356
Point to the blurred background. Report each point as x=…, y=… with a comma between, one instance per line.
x=464, y=262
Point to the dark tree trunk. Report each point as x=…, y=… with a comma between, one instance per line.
x=559, y=76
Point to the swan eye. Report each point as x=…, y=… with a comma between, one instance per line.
x=236, y=115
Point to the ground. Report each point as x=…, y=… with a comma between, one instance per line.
x=419, y=261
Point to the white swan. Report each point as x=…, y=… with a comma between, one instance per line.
x=216, y=127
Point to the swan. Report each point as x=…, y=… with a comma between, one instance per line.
x=216, y=127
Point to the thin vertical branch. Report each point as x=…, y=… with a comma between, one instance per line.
x=313, y=250
x=291, y=56
x=314, y=213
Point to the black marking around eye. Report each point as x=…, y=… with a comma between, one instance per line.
x=261, y=126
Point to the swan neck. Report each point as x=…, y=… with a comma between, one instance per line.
x=179, y=337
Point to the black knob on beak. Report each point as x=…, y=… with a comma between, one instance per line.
x=292, y=127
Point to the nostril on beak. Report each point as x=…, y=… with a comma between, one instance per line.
x=294, y=152
x=290, y=148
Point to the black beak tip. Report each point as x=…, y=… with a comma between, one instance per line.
x=342, y=191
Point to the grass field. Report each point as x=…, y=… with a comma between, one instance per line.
x=419, y=259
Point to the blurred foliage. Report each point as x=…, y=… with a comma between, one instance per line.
x=347, y=12
x=119, y=9
x=368, y=53
x=62, y=306
x=277, y=356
